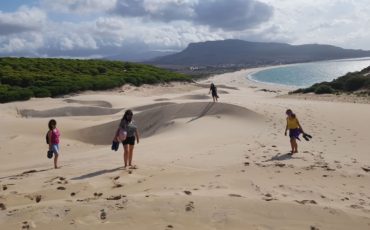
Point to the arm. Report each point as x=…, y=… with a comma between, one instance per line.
x=300, y=127
x=49, y=137
x=286, y=127
x=137, y=136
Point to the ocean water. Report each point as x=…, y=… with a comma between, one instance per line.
x=306, y=74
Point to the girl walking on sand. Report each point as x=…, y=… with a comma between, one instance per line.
x=295, y=129
x=53, y=140
x=129, y=125
x=213, y=89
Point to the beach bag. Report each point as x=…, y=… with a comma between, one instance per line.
x=122, y=134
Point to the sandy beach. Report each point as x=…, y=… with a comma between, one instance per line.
x=201, y=165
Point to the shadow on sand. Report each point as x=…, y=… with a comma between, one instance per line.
x=97, y=173
x=283, y=157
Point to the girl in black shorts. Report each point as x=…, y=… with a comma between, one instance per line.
x=129, y=125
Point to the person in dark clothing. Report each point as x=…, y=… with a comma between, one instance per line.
x=213, y=89
x=130, y=127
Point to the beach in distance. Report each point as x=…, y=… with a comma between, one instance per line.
x=200, y=164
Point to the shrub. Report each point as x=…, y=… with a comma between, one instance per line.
x=323, y=89
x=355, y=83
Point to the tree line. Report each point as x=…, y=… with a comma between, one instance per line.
x=23, y=78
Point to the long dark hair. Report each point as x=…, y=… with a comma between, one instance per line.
x=52, y=123
x=127, y=118
x=290, y=113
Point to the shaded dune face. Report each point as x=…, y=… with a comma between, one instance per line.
x=195, y=97
x=152, y=120
x=69, y=111
x=151, y=106
x=104, y=104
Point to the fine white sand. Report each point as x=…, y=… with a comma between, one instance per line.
x=201, y=165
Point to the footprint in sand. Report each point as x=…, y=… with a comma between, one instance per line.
x=2, y=206
x=38, y=198
x=187, y=193
x=118, y=197
x=61, y=188
x=27, y=225
x=190, y=206
x=117, y=185
x=306, y=202
x=268, y=197
x=355, y=206
x=169, y=227
x=235, y=195
x=97, y=195
x=103, y=214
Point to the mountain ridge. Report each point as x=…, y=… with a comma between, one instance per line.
x=246, y=53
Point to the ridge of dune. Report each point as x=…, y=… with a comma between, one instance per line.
x=68, y=111
x=152, y=120
x=151, y=106
x=92, y=103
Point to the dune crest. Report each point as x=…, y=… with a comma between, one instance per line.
x=92, y=103
x=152, y=120
x=68, y=111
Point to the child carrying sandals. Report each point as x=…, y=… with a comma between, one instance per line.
x=295, y=129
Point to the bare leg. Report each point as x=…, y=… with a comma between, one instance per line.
x=56, y=161
x=295, y=146
x=292, y=144
x=131, y=151
x=125, y=154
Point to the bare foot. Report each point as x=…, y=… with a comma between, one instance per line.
x=133, y=167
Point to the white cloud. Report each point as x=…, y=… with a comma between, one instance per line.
x=78, y=6
x=23, y=20
x=26, y=43
x=338, y=22
x=230, y=15
x=141, y=25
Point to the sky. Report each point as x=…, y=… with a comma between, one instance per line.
x=101, y=28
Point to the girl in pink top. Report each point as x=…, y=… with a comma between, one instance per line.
x=53, y=136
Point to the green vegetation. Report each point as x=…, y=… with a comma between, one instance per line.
x=23, y=78
x=349, y=83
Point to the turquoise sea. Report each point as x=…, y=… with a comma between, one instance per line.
x=306, y=74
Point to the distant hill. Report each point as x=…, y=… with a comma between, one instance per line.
x=246, y=54
x=358, y=82
x=139, y=56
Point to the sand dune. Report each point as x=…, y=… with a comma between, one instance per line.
x=195, y=97
x=162, y=99
x=152, y=120
x=92, y=103
x=219, y=86
x=201, y=166
x=69, y=111
x=151, y=106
